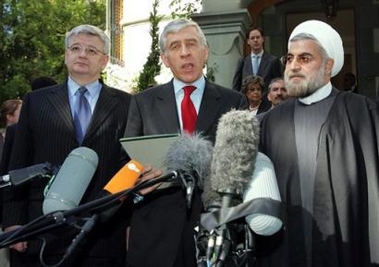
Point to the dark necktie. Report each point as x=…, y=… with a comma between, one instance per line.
x=82, y=114
x=189, y=114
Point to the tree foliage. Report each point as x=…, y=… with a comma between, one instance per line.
x=152, y=67
x=184, y=9
x=32, y=39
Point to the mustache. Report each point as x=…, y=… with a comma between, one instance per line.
x=296, y=75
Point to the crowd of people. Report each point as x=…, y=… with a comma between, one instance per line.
x=322, y=143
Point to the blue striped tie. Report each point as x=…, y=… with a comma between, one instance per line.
x=255, y=64
x=82, y=114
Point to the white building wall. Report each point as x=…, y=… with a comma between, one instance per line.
x=135, y=27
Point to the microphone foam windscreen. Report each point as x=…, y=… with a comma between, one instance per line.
x=190, y=153
x=235, y=151
x=263, y=185
x=69, y=185
x=125, y=178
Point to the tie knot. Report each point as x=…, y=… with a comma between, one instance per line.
x=189, y=89
x=82, y=90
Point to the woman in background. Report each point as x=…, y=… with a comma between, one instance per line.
x=9, y=113
x=252, y=88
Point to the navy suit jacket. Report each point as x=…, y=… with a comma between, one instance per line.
x=269, y=68
x=45, y=133
x=162, y=229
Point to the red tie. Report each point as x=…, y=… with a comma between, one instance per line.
x=189, y=114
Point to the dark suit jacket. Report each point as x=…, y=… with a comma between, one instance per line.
x=7, y=148
x=162, y=229
x=46, y=133
x=269, y=68
x=6, y=154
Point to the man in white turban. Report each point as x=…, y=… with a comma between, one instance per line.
x=323, y=144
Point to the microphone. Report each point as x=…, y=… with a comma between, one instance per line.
x=124, y=179
x=20, y=176
x=234, y=154
x=86, y=228
x=62, y=200
x=191, y=155
x=65, y=191
x=263, y=185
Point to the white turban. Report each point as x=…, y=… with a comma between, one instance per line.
x=328, y=37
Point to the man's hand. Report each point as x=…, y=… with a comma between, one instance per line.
x=20, y=246
x=149, y=173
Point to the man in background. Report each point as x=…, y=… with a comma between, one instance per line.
x=277, y=92
x=349, y=83
x=259, y=62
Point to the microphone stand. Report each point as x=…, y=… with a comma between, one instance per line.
x=57, y=219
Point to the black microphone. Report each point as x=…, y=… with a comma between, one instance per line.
x=20, y=176
x=65, y=191
x=85, y=229
x=191, y=156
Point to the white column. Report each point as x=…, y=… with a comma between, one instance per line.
x=225, y=32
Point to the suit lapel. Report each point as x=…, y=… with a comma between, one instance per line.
x=59, y=99
x=104, y=107
x=248, y=66
x=166, y=108
x=263, y=64
x=209, y=108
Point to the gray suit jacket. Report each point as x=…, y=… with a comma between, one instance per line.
x=46, y=133
x=269, y=68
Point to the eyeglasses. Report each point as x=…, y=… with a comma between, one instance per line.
x=90, y=51
x=300, y=59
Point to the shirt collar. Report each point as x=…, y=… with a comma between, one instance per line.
x=93, y=88
x=200, y=84
x=259, y=54
x=320, y=94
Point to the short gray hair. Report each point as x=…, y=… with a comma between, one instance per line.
x=177, y=25
x=274, y=80
x=89, y=30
